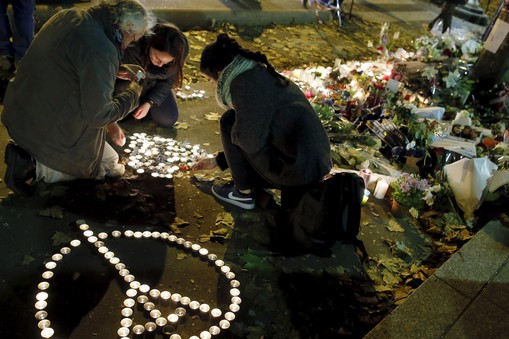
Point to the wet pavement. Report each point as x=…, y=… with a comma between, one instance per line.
x=281, y=297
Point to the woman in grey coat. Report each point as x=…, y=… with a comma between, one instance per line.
x=61, y=101
x=270, y=133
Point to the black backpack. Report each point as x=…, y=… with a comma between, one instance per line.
x=328, y=212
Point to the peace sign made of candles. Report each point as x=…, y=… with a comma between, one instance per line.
x=143, y=294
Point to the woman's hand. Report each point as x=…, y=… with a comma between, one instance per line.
x=141, y=111
x=204, y=164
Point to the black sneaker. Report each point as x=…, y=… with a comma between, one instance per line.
x=20, y=169
x=230, y=194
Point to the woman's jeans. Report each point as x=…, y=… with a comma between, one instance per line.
x=166, y=114
x=21, y=31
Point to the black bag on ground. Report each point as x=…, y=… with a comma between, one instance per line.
x=328, y=212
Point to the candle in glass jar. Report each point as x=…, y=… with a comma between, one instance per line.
x=381, y=189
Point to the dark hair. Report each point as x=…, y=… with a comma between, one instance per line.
x=217, y=55
x=166, y=37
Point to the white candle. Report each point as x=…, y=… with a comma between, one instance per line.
x=381, y=189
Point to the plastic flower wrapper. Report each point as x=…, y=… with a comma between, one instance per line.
x=471, y=49
x=468, y=179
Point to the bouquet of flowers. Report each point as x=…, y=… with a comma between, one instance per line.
x=410, y=190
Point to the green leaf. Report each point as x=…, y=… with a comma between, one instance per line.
x=60, y=238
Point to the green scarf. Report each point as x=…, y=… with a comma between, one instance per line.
x=231, y=71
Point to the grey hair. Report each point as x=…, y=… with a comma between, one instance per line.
x=130, y=16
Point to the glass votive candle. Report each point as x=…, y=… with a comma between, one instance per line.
x=215, y=313
x=75, y=243
x=184, y=301
x=149, y=306
x=126, y=322
x=138, y=329
x=144, y=288
x=41, y=296
x=161, y=321
x=57, y=256
x=180, y=312
x=155, y=313
x=126, y=312
x=154, y=293
x=129, y=302
x=214, y=330
x=150, y=326
x=134, y=284
x=88, y=233
x=131, y=292
x=65, y=250
x=175, y=297
x=41, y=315
x=47, y=274
x=173, y=318
x=45, y=323
x=142, y=299
x=108, y=255
x=41, y=304
x=50, y=265
x=84, y=227
x=47, y=332
x=123, y=332
x=224, y=324
x=194, y=305
x=230, y=316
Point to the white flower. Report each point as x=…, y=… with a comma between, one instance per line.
x=452, y=79
x=430, y=72
x=410, y=145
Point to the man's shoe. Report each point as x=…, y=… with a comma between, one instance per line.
x=20, y=169
x=230, y=194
